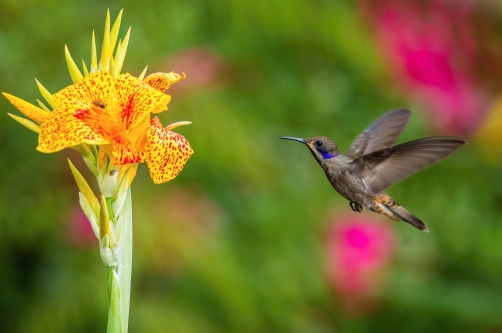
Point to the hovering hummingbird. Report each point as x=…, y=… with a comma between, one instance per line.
x=373, y=163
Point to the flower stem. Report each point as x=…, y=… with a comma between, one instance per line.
x=114, y=316
x=125, y=260
x=119, y=276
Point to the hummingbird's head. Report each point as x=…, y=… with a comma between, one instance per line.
x=322, y=147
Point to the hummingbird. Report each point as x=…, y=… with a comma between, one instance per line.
x=373, y=163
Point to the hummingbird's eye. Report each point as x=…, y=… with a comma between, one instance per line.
x=318, y=143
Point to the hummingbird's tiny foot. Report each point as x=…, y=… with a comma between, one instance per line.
x=356, y=207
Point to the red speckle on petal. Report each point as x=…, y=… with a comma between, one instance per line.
x=81, y=114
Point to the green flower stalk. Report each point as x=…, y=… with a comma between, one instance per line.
x=105, y=115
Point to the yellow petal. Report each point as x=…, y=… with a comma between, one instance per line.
x=103, y=160
x=85, y=110
x=96, y=89
x=84, y=68
x=114, y=70
x=84, y=150
x=29, y=110
x=143, y=73
x=137, y=134
x=83, y=186
x=111, y=66
x=166, y=152
x=64, y=129
x=115, y=32
x=105, y=51
x=125, y=178
x=489, y=135
x=137, y=100
x=26, y=123
x=124, y=152
x=94, y=61
x=104, y=219
x=42, y=105
x=123, y=50
x=162, y=81
x=75, y=74
x=46, y=94
x=131, y=173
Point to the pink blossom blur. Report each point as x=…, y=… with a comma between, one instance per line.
x=429, y=47
x=201, y=66
x=77, y=229
x=359, y=250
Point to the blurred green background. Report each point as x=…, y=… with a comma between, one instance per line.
x=239, y=242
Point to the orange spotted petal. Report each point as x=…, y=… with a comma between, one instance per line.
x=162, y=81
x=137, y=100
x=97, y=88
x=86, y=112
x=66, y=128
x=124, y=152
x=166, y=152
x=29, y=110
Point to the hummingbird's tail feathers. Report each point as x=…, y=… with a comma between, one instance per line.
x=406, y=216
x=385, y=205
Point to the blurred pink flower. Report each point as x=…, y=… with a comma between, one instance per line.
x=77, y=229
x=431, y=59
x=201, y=66
x=359, y=249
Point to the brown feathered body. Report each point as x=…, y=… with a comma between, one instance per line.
x=352, y=188
x=373, y=163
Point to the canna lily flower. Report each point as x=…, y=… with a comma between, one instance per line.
x=101, y=110
x=113, y=113
x=105, y=115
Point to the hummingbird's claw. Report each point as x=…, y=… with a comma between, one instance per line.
x=356, y=207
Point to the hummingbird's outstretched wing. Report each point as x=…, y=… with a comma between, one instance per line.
x=382, y=132
x=384, y=167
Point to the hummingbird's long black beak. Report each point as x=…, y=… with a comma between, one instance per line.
x=294, y=139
